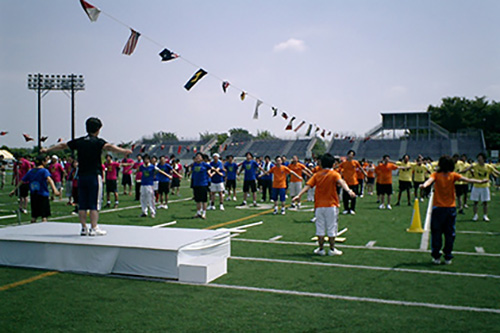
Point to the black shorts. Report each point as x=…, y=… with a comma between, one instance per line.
x=230, y=184
x=404, y=185
x=40, y=206
x=176, y=182
x=384, y=189
x=249, y=185
x=24, y=190
x=461, y=189
x=370, y=180
x=416, y=185
x=111, y=186
x=74, y=194
x=89, y=192
x=200, y=193
x=163, y=187
x=126, y=180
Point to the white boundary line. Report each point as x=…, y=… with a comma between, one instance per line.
x=7, y=216
x=343, y=297
x=275, y=238
x=377, y=248
x=164, y=224
x=424, y=242
x=489, y=233
x=374, y=268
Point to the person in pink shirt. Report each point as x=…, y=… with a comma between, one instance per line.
x=21, y=168
x=68, y=166
x=111, y=170
x=128, y=165
x=57, y=174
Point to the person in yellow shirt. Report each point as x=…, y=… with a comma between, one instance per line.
x=420, y=171
x=481, y=192
x=405, y=173
x=461, y=187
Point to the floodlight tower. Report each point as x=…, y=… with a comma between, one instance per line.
x=44, y=83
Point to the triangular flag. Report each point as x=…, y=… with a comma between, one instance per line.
x=284, y=115
x=91, y=11
x=290, y=125
x=162, y=147
x=3, y=133
x=329, y=133
x=167, y=55
x=300, y=125
x=133, y=147
x=256, y=112
x=195, y=78
x=131, y=43
x=323, y=133
x=59, y=140
x=243, y=95
x=275, y=111
x=44, y=138
x=225, y=85
x=308, y=133
x=317, y=129
x=28, y=138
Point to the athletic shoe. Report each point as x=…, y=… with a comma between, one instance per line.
x=475, y=218
x=84, y=232
x=461, y=211
x=397, y=204
x=143, y=215
x=320, y=252
x=421, y=199
x=352, y=212
x=210, y=207
x=345, y=212
x=448, y=262
x=486, y=218
x=244, y=203
x=275, y=211
x=153, y=216
x=228, y=198
x=313, y=219
x=108, y=205
x=293, y=205
x=97, y=232
x=221, y=207
x=203, y=215
x=466, y=206
x=74, y=213
x=389, y=207
x=436, y=261
x=334, y=252
x=382, y=206
x=361, y=195
x=283, y=212
x=234, y=198
x=165, y=206
x=255, y=204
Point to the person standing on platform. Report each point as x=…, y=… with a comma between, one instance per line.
x=89, y=150
x=444, y=211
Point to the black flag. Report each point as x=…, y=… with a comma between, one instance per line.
x=196, y=77
x=167, y=55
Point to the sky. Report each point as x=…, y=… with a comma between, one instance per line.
x=334, y=63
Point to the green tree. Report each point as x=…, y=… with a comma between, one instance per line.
x=319, y=147
x=240, y=134
x=265, y=135
x=160, y=137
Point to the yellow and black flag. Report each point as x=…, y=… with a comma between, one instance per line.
x=196, y=77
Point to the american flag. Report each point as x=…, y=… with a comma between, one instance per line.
x=131, y=43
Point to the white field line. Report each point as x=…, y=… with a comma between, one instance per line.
x=164, y=224
x=376, y=248
x=275, y=238
x=424, y=242
x=489, y=233
x=343, y=297
x=374, y=268
x=7, y=216
x=371, y=243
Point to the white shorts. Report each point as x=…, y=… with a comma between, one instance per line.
x=156, y=183
x=216, y=187
x=480, y=194
x=327, y=221
x=294, y=188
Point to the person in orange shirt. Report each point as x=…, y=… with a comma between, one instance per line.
x=384, y=180
x=348, y=170
x=279, y=172
x=370, y=178
x=361, y=178
x=295, y=184
x=326, y=203
x=444, y=211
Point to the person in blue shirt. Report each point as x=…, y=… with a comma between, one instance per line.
x=250, y=166
x=164, y=181
x=201, y=172
x=39, y=180
x=231, y=168
x=149, y=171
x=217, y=183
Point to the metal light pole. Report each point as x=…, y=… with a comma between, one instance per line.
x=44, y=83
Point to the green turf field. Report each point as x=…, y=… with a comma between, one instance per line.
x=382, y=282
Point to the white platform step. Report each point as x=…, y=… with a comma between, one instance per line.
x=202, y=269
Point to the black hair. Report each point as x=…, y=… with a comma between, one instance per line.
x=40, y=159
x=481, y=154
x=383, y=157
x=249, y=153
x=446, y=164
x=327, y=160
x=267, y=156
x=93, y=125
x=351, y=151
x=145, y=156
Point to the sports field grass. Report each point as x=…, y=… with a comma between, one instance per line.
x=275, y=285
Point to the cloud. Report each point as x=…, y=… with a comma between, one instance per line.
x=292, y=44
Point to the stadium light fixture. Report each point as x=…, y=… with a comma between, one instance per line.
x=43, y=83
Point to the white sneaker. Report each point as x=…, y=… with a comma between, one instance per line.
x=382, y=206
x=97, y=232
x=165, y=206
x=283, y=212
x=160, y=206
x=421, y=199
x=275, y=211
x=234, y=198
x=84, y=232
x=345, y=212
x=210, y=207
x=389, y=207
x=352, y=212
x=334, y=252
x=320, y=252
x=313, y=219
x=436, y=261
x=153, y=215
x=448, y=262
x=221, y=207
x=475, y=218
x=486, y=218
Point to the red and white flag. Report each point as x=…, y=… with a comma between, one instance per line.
x=290, y=124
x=300, y=125
x=91, y=11
x=131, y=43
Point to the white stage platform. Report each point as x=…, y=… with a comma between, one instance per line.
x=189, y=255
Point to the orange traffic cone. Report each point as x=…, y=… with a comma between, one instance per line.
x=416, y=223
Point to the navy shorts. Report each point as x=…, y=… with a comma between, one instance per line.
x=89, y=192
x=281, y=192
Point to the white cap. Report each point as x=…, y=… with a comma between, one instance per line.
x=216, y=155
x=55, y=156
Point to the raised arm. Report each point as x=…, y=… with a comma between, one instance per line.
x=59, y=146
x=116, y=149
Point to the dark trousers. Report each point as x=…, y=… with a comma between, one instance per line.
x=137, y=191
x=443, y=222
x=350, y=203
x=267, y=184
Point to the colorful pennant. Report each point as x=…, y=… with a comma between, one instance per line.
x=131, y=42
x=194, y=79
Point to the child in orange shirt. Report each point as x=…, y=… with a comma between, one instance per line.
x=279, y=172
x=326, y=203
x=444, y=211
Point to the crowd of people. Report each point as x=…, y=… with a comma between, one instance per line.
x=326, y=180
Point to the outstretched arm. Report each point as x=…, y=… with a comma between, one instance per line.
x=301, y=193
x=53, y=186
x=116, y=149
x=428, y=182
x=59, y=146
x=346, y=188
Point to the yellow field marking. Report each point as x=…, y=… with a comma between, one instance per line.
x=239, y=220
x=23, y=282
